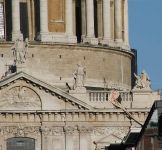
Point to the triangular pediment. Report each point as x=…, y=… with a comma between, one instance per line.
x=23, y=89
x=109, y=139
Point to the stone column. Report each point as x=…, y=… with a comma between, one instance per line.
x=16, y=33
x=44, y=20
x=90, y=18
x=83, y=7
x=33, y=19
x=69, y=22
x=100, y=18
x=126, y=32
x=29, y=19
x=118, y=22
x=90, y=38
x=69, y=18
x=106, y=22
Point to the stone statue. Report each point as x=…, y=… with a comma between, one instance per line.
x=79, y=76
x=142, y=81
x=20, y=50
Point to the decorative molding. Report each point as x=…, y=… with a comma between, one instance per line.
x=85, y=130
x=120, y=131
x=20, y=97
x=19, y=131
x=70, y=130
x=55, y=131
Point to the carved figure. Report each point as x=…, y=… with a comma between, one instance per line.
x=20, y=50
x=79, y=76
x=20, y=97
x=142, y=81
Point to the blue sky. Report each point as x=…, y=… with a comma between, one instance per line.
x=145, y=31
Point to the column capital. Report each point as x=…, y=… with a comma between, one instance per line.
x=85, y=130
x=70, y=130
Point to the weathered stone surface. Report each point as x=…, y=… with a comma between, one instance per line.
x=105, y=67
x=49, y=100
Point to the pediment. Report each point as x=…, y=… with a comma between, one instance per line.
x=21, y=91
x=109, y=139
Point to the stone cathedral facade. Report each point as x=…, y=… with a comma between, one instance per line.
x=59, y=61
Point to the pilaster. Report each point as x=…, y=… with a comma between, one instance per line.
x=71, y=133
x=85, y=137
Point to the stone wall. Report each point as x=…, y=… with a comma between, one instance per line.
x=60, y=131
x=56, y=64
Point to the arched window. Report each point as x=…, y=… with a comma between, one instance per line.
x=20, y=143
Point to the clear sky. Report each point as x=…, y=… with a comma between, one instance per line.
x=145, y=31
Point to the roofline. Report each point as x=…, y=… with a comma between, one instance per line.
x=58, y=91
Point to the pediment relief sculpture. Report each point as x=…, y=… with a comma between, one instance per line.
x=22, y=89
x=20, y=97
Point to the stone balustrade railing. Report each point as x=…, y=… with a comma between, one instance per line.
x=102, y=96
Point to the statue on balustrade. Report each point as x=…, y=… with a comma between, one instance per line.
x=142, y=81
x=79, y=77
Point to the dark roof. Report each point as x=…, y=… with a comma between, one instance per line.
x=132, y=138
x=118, y=146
